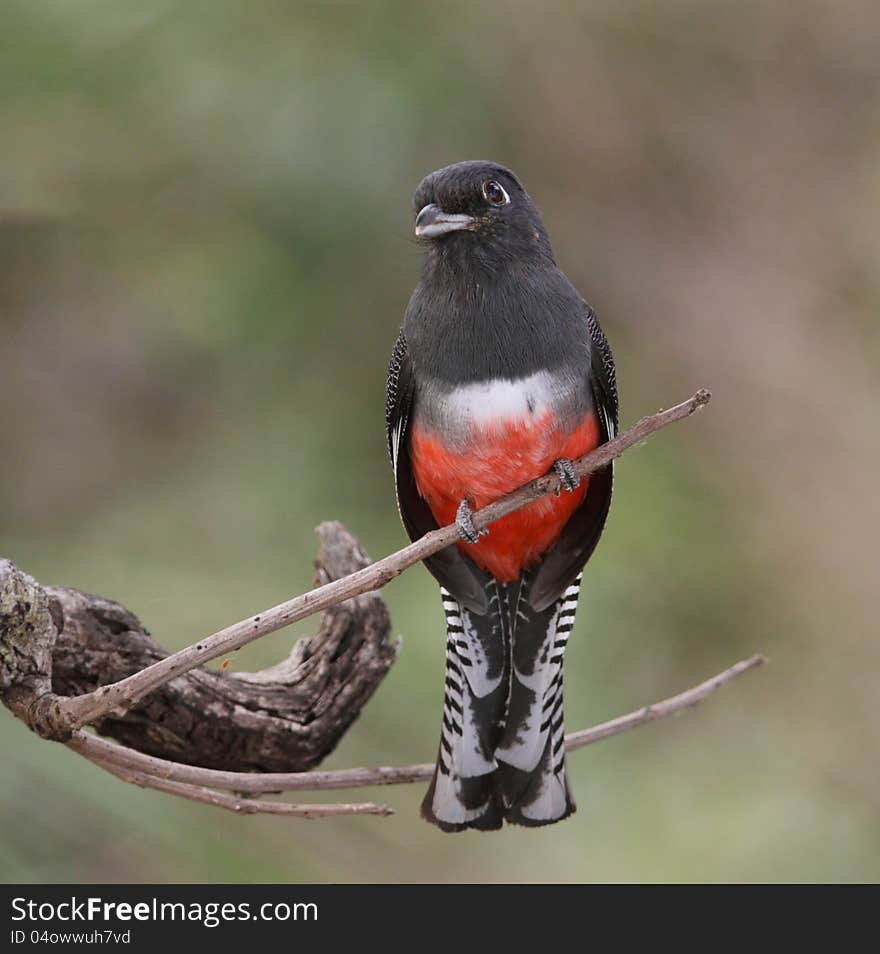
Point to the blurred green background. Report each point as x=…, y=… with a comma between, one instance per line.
x=205, y=254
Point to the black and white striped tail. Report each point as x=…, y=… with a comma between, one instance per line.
x=502, y=738
x=462, y=793
x=531, y=775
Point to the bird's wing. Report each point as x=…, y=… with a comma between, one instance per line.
x=576, y=543
x=462, y=578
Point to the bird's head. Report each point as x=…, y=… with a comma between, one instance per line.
x=479, y=210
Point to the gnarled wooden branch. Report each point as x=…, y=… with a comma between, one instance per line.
x=68, y=659
x=291, y=715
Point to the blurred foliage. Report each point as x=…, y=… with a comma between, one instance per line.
x=205, y=254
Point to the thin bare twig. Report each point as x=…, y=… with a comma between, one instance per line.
x=127, y=760
x=120, y=696
x=661, y=710
x=241, y=806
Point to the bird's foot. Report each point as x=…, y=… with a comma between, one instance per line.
x=464, y=520
x=565, y=471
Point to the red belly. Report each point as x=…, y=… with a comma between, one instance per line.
x=497, y=461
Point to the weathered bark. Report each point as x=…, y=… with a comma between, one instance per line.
x=27, y=635
x=286, y=718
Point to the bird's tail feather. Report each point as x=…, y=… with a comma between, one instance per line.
x=502, y=738
x=531, y=778
x=462, y=792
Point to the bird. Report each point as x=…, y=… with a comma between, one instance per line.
x=501, y=373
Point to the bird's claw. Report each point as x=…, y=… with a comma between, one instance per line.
x=565, y=471
x=464, y=521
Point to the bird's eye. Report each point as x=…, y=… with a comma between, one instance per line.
x=494, y=194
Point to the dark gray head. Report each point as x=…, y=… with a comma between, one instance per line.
x=490, y=302
x=479, y=212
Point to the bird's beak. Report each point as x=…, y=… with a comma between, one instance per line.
x=433, y=221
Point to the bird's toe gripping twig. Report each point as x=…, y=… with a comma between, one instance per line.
x=565, y=471
x=464, y=522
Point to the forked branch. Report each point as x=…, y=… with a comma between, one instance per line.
x=68, y=659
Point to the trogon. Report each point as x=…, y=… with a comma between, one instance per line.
x=500, y=374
